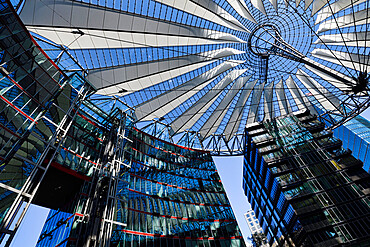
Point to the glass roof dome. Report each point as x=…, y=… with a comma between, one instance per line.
x=209, y=67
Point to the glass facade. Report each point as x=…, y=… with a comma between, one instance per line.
x=172, y=195
x=304, y=188
x=355, y=135
x=175, y=198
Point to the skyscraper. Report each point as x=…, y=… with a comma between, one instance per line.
x=305, y=189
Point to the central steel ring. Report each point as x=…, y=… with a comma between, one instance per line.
x=264, y=39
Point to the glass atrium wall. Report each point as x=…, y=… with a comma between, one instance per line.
x=173, y=197
x=304, y=188
x=36, y=102
x=176, y=198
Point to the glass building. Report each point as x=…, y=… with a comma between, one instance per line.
x=169, y=196
x=355, y=135
x=304, y=188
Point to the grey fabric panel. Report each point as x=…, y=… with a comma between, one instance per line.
x=192, y=115
x=348, y=39
x=149, y=80
x=256, y=97
x=349, y=20
x=354, y=61
x=216, y=9
x=301, y=101
x=64, y=13
x=325, y=97
x=213, y=122
x=102, y=78
x=296, y=94
x=269, y=108
x=281, y=97
x=164, y=99
x=236, y=117
x=333, y=8
x=242, y=9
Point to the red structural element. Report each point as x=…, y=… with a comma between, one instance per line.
x=68, y=171
x=169, y=152
x=79, y=156
x=16, y=108
x=65, y=240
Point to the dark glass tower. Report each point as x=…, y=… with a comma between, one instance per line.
x=305, y=189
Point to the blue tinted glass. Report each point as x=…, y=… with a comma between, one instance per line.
x=356, y=146
x=363, y=150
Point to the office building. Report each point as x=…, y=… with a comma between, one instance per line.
x=304, y=188
x=255, y=228
x=355, y=135
x=252, y=222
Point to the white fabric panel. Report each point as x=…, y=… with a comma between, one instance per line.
x=194, y=9
x=144, y=82
x=296, y=93
x=334, y=8
x=212, y=123
x=281, y=97
x=323, y=96
x=350, y=60
x=236, y=117
x=241, y=9
x=297, y=2
x=259, y=5
x=274, y=3
x=335, y=82
x=256, y=98
x=361, y=17
x=97, y=39
x=171, y=99
x=105, y=77
x=268, y=94
x=192, y=115
x=345, y=39
x=57, y=19
x=215, y=8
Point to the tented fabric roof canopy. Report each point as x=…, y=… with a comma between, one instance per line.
x=212, y=66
